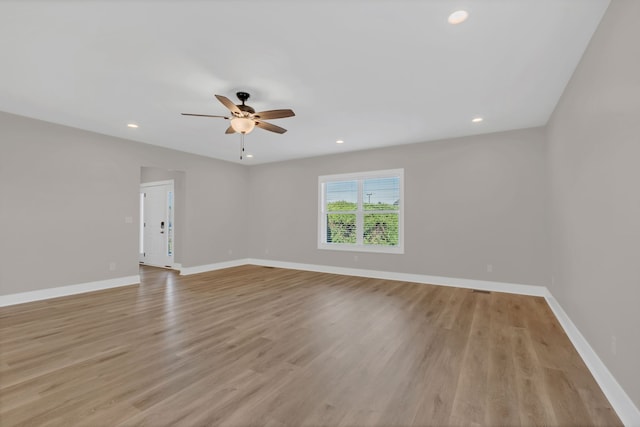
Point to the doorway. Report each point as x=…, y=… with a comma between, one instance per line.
x=157, y=233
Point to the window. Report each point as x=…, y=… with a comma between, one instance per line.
x=362, y=211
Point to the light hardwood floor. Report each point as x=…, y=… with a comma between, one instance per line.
x=272, y=347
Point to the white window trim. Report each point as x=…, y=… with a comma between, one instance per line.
x=359, y=246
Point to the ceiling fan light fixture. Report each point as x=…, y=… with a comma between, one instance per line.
x=242, y=125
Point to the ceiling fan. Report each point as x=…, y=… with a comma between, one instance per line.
x=244, y=118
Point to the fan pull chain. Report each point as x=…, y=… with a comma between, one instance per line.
x=241, y=145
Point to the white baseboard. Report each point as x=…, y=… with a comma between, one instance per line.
x=620, y=401
x=484, y=285
x=62, y=291
x=185, y=271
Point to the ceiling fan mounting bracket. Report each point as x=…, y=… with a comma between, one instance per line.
x=243, y=96
x=247, y=110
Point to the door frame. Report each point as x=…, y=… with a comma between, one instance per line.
x=171, y=220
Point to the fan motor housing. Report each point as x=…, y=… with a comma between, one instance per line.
x=246, y=108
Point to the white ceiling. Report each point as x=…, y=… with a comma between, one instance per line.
x=370, y=72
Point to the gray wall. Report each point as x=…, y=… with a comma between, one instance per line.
x=469, y=202
x=594, y=161
x=66, y=193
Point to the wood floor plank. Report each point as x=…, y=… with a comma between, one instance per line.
x=534, y=400
x=256, y=346
x=469, y=404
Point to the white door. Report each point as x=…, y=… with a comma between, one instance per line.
x=156, y=214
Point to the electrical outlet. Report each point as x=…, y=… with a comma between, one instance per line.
x=112, y=266
x=266, y=251
x=128, y=220
x=489, y=268
x=230, y=251
x=355, y=257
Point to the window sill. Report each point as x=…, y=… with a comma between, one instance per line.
x=396, y=250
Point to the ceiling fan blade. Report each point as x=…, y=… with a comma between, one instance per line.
x=230, y=130
x=274, y=114
x=229, y=104
x=270, y=127
x=203, y=115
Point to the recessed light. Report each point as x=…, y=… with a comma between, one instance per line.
x=132, y=125
x=339, y=141
x=249, y=155
x=458, y=17
x=477, y=119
